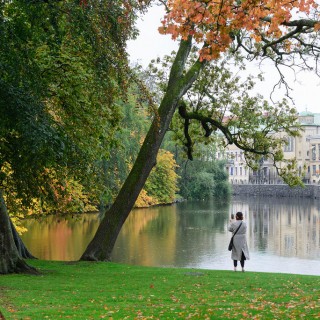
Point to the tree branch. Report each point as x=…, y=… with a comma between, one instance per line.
x=205, y=121
x=295, y=23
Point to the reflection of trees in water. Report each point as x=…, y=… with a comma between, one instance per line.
x=182, y=234
x=284, y=226
x=207, y=214
x=56, y=237
x=140, y=219
x=148, y=237
x=172, y=235
x=201, y=229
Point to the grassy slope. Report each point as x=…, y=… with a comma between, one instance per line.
x=113, y=291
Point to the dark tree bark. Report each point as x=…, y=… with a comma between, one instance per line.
x=101, y=246
x=10, y=259
x=22, y=249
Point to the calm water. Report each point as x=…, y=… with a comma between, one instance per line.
x=283, y=235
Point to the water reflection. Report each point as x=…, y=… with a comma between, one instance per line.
x=60, y=238
x=283, y=235
x=286, y=227
x=171, y=236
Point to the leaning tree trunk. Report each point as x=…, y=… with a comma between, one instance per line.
x=101, y=246
x=10, y=260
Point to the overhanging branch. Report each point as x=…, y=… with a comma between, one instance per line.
x=210, y=125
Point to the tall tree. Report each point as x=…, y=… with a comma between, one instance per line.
x=62, y=65
x=263, y=29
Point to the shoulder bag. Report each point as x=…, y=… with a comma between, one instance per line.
x=231, y=240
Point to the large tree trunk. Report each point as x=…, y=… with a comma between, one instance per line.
x=10, y=260
x=22, y=249
x=101, y=246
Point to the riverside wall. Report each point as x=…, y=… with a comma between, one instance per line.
x=276, y=190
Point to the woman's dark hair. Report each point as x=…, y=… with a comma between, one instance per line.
x=239, y=216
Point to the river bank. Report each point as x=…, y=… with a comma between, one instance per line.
x=277, y=190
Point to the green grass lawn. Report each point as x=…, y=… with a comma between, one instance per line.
x=89, y=290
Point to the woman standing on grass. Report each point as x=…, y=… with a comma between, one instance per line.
x=240, y=251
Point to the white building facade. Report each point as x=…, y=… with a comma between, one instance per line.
x=306, y=149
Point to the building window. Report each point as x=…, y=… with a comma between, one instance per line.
x=318, y=151
x=313, y=152
x=231, y=171
x=314, y=170
x=240, y=171
x=289, y=145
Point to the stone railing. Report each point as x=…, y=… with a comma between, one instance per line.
x=276, y=190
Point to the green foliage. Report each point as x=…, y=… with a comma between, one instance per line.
x=199, y=185
x=62, y=66
x=29, y=142
x=114, y=169
x=204, y=176
x=222, y=188
x=160, y=293
x=202, y=179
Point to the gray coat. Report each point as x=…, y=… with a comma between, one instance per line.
x=239, y=241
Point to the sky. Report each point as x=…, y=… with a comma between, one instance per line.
x=150, y=45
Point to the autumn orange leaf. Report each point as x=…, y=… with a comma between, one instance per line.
x=213, y=22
